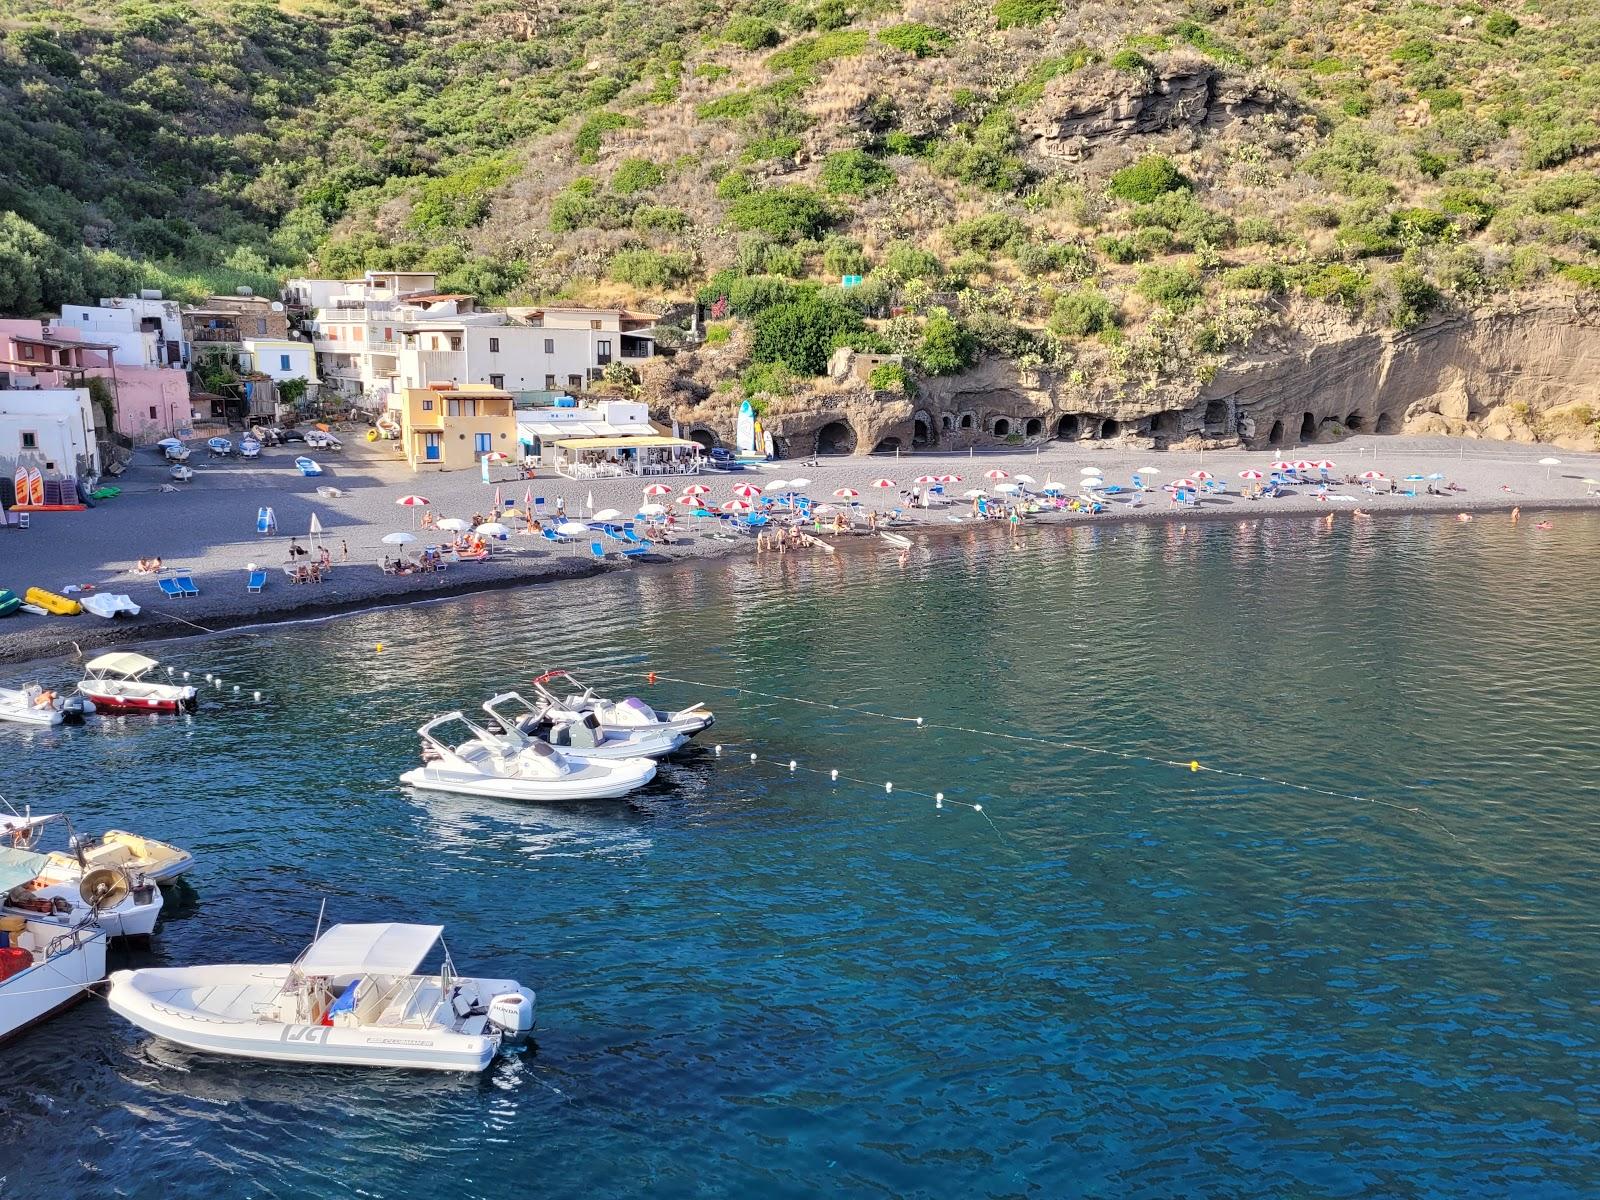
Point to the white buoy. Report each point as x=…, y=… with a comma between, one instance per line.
x=208, y=676
x=169, y=670
x=919, y=720
x=258, y=697
x=834, y=775
x=236, y=688
x=938, y=799
x=219, y=683
x=718, y=749
x=977, y=808
x=752, y=758
x=888, y=787
x=186, y=674
x=791, y=764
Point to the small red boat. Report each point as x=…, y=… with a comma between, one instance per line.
x=117, y=682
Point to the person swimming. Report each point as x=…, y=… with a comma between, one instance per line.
x=1544, y=525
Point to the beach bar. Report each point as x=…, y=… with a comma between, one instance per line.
x=610, y=440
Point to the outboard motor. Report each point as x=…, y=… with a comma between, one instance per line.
x=74, y=708
x=512, y=1014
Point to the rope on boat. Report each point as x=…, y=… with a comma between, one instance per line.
x=1191, y=765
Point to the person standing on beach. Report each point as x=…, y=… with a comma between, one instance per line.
x=344, y=550
x=561, y=506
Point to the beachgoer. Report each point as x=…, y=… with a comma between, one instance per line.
x=324, y=558
x=344, y=550
x=1544, y=525
x=1362, y=513
x=905, y=559
x=1516, y=513
x=1463, y=516
x=561, y=506
x=296, y=549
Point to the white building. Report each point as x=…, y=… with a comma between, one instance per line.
x=281, y=359
x=51, y=429
x=392, y=330
x=145, y=330
x=613, y=438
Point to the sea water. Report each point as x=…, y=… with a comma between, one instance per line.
x=1355, y=954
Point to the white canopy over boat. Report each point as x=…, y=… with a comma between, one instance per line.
x=386, y=948
x=121, y=662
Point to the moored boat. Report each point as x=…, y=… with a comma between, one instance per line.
x=308, y=466
x=141, y=857
x=117, y=682
x=353, y=997
x=578, y=732
x=44, y=969
x=618, y=715
x=35, y=704
x=62, y=892
x=524, y=769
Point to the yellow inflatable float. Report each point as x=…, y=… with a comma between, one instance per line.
x=61, y=606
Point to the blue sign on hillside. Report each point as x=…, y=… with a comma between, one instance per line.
x=850, y=281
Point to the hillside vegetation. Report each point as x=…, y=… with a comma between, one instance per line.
x=973, y=161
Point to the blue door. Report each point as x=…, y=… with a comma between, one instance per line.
x=481, y=443
x=430, y=442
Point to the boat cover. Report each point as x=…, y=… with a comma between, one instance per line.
x=18, y=866
x=383, y=949
x=121, y=662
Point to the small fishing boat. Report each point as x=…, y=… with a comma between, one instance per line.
x=181, y=473
x=176, y=453
x=52, y=602
x=318, y=439
x=219, y=445
x=35, y=704
x=141, y=857
x=619, y=715
x=487, y=765
x=43, y=967
x=10, y=602
x=249, y=447
x=65, y=893
x=117, y=682
x=109, y=605
x=514, y=716
x=308, y=466
x=352, y=998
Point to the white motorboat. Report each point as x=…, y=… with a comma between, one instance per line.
x=44, y=969
x=109, y=604
x=249, y=447
x=63, y=893
x=141, y=858
x=35, y=704
x=353, y=997
x=619, y=715
x=181, y=473
x=489, y=765
x=515, y=716
x=176, y=453
x=117, y=682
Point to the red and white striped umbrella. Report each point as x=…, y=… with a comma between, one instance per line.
x=1204, y=475
x=733, y=506
x=1373, y=475
x=1305, y=464
x=1282, y=466
x=412, y=501
x=1183, y=484
x=883, y=483
x=846, y=493
x=748, y=490
x=1324, y=465
x=929, y=479
x=688, y=501
x=997, y=473
x=697, y=489
x=1250, y=475
x=658, y=489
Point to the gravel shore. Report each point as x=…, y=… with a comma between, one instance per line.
x=209, y=526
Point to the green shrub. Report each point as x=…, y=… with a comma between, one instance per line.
x=1338, y=283
x=915, y=38
x=1553, y=145
x=752, y=33
x=1189, y=222
x=891, y=377
x=904, y=261
x=1148, y=243
x=803, y=332
x=660, y=218
x=1258, y=231
x=734, y=184
x=854, y=173
x=636, y=175
x=783, y=260
x=459, y=200
x=946, y=348
x=1415, y=50
x=772, y=146
x=644, y=268
x=830, y=14
x=814, y=51
x=1441, y=99
x=593, y=130
x=1414, y=298
x=1118, y=249
x=841, y=256
x=986, y=232
x=786, y=213
x=1011, y=14
x=1584, y=277
x=1564, y=191
x=1468, y=206
x=1129, y=60
x=984, y=156
x=767, y=379
x=1501, y=25
x=1430, y=164
x=1175, y=288
x=1152, y=176
x=712, y=71
x=1259, y=277
x=1082, y=313
x=1055, y=258
x=1420, y=226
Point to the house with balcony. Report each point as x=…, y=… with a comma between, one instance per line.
x=447, y=428
x=223, y=322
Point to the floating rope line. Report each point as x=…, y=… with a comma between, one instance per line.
x=1192, y=765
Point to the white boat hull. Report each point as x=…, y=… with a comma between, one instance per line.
x=159, y=1001
x=608, y=785
x=53, y=984
x=27, y=714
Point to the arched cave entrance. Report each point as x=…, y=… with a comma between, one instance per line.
x=836, y=437
x=1109, y=429
x=1067, y=428
x=1216, y=418
x=1353, y=422
x=1167, y=425
x=887, y=446
x=947, y=422
x=920, y=434
x=1385, y=423
x=966, y=420
x=1275, y=438
x=1308, y=428
x=1002, y=427
x=704, y=437
x=1033, y=428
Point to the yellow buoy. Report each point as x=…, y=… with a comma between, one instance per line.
x=1194, y=765
x=380, y=647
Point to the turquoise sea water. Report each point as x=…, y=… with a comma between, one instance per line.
x=1138, y=980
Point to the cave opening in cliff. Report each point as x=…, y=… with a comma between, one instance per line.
x=704, y=438
x=1167, y=425
x=966, y=420
x=1308, y=428
x=920, y=433
x=1385, y=423
x=1109, y=429
x=1033, y=428
x=1353, y=422
x=1216, y=418
x=1067, y=428
x=836, y=437
x=888, y=445
x=1002, y=427
x=1275, y=438
x=947, y=422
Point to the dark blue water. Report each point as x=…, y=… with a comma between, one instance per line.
x=1137, y=980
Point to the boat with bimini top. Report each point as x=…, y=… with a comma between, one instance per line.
x=513, y=715
x=491, y=765
x=118, y=682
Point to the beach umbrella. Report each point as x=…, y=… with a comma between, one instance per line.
x=747, y=491
x=1052, y=488
x=314, y=534
x=1025, y=478
x=824, y=510
x=1087, y=471
x=413, y=503
x=697, y=489
x=734, y=506
x=493, y=529
x=1282, y=466
x=1203, y=475
x=1249, y=474
x=997, y=473
x=1415, y=478
x=928, y=479
x=572, y=529
x=686, y=501
x=399, y=539
x=973, y=493
x=455, y=525
x=1007, y=487
x=1183, y=485
x=846, y=493
x=1324, y=465
x=652, y=510
x=1547, y=463
x=799, y=485
x=949, y=479
x=1304, y=464
x=658, y=489
x=607, y=514
x=777, y=485
x=1373, y=475
x=882, y=483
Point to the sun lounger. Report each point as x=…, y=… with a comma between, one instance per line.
x=257, y=581
x=631, y=537
x=170, y=588
x=185, y=583
x=596, y=549
x=550, y=535
x=638, y=551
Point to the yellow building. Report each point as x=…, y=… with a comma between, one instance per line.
x=449, y=427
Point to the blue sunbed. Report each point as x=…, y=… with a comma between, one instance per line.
x=596, y=549
x=631, y=537
x=186, y=585
x=170, y=588
x=258, y=580
x=638, y=551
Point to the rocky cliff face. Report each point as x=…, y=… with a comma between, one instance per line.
x=1529, y=372
x=1103, y=105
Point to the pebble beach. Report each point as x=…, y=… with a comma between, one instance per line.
x=208, y=526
